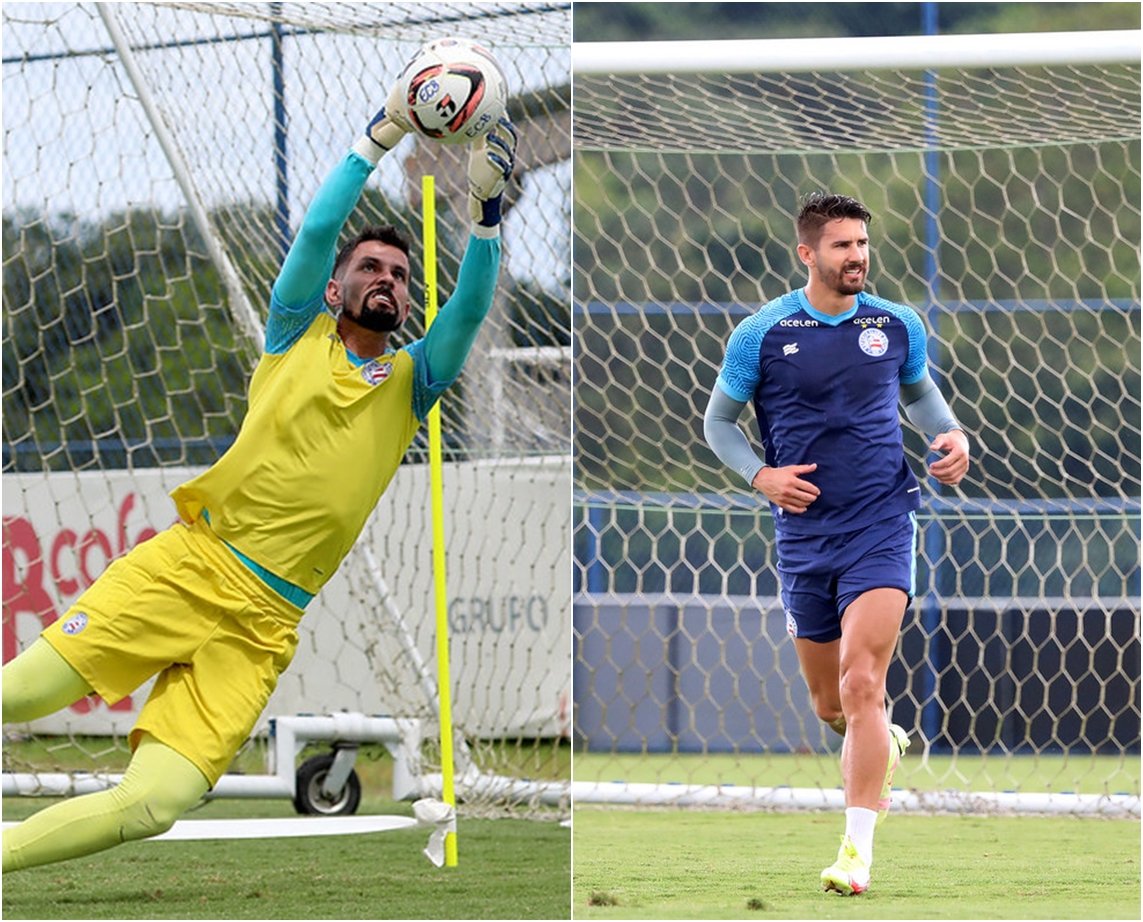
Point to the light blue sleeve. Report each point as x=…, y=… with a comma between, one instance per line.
x=916, y=364
x=439, y=357
x=298, y=295
x=740, y=369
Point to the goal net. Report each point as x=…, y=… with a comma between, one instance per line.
x=1003, y=173
x=158, y=159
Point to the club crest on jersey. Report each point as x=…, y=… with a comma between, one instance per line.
x=375, y=372
x=873, y=341
x=75, y=623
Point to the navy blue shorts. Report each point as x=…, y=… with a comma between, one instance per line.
x=821, y=575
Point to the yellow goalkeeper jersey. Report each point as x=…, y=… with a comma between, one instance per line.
x=321, y=440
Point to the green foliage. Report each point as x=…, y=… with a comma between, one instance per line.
x=115, y=335
x=537, y=316
x=603, y=22
x=1033, y=316
x=644, y=372
x=1063, y=388
x=120, y=346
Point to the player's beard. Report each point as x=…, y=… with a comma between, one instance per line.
x=377, y=316
x=844, y=286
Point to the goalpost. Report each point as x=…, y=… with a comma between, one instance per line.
x=1003, y=173
x=157, y=160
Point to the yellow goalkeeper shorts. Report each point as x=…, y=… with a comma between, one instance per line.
x=182, y=606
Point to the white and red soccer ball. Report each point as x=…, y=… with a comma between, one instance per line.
x=453, y=91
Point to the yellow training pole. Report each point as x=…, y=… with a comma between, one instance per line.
x=436, y=488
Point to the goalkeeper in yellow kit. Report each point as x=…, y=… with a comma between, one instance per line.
x=211, y=605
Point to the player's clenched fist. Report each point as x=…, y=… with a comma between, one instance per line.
x=951, y=468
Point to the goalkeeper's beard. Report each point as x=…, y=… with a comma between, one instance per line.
x=381, y=319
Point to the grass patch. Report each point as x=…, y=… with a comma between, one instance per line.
x=507, y=869
x=1085, y=774
x=681, y=864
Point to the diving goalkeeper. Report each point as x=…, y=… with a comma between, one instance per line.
x=211, y=605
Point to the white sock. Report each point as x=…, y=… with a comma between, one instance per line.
x=859, y=825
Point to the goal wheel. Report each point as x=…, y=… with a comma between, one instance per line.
x=311, y=799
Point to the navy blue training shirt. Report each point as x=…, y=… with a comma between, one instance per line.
x=825, y=390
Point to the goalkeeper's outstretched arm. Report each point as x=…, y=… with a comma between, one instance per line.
x=450, y=338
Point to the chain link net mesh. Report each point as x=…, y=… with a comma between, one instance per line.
x=1006, y=212
x=129, y=339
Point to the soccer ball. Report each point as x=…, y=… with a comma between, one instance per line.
x=453, y=91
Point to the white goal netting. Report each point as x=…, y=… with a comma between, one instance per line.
x=157, y=160
x=1006, y=203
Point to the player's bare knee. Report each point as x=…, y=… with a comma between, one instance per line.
x=861, y=690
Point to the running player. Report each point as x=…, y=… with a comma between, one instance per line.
x=825, y=367
x=210, y=606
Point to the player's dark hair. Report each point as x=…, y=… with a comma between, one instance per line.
x=382, y=233
x=819, y=208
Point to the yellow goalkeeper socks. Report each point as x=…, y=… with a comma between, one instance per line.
x=39, y=682
x=160, y=786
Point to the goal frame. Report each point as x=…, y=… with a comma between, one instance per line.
x=893, y=52
x=402, y=736
x=799, y=55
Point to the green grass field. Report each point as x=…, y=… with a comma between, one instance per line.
x=680, y=864
x=653, y=863
x=507, y=868
x=1086, y=774
x=664, y=863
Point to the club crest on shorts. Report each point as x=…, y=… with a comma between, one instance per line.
x=873, y=341
x=791, y=624
x=375, y=372
x=75, y=623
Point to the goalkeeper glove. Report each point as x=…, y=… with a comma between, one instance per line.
x=490, y=163
x=385, y=131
